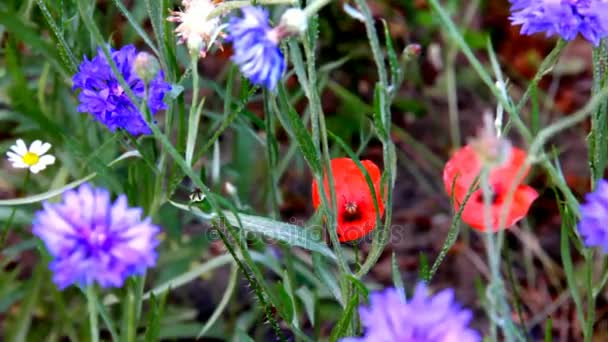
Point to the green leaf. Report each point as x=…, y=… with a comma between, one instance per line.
x=294, y=126
x=24, y=318
x=549, y=330
x=223, y=302
x=397, y=278
x=393, y=60
x=309, y=301
x=142, y=33
x=180, y=280
x=424, y=267
x=345, y=320
x=327, y=278
x=107, y=319
x=157, y=307
x=288, y=233
x=72, y=61
x=193, y=120
x=379, y=104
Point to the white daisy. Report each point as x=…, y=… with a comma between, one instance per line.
x=33, y=158
x=198, y=32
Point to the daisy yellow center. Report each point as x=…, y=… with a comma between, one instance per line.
x=30, y=158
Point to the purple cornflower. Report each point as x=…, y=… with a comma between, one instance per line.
x=92, y=239
x=256, y=47
x=566, y=18
x=103, y=96
x=390, y=317
x=594, y=215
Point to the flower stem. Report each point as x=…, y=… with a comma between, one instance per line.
x=315, y=7
x=91, y=298
x=228, y=6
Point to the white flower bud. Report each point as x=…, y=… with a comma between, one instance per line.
x=230, y=188
x=294, y=21
x=146, y=66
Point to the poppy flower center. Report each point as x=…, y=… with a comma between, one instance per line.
x=30, y=158
x=351, y=212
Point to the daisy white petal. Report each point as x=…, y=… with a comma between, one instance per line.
x=20, y=147
x=35, y=147
x=42, y=149
x=19, y=164
x=12, y=156
x=46, y=160
x=36, y=168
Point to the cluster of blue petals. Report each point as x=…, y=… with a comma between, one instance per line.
x=423, y=318
x=594, y=216
x=95, y=240
x=256, y=47
x=566, y=18
x=102, y=95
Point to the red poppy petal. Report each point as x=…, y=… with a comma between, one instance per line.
x=461, y=169
x=473, y=213
x=351, y=187
x=464, y=166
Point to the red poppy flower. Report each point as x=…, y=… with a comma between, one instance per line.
x=356, y=212
x=462, y=169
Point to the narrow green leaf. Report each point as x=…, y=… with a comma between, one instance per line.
x=327, y=278
x=549, y=330
x=219, y=309
x=397, y=278
x=181, y=279
x=293, y=124
x=107, y=319
x=535, y=113
x=193, y=121
x=309, y=301
x=379, y=103
x=157, y=308
x=140, y=31
x=424, y=272
x=569, y=267
x=393, y=60
x=345, y=319
x=72, y=61
x=24, y=318
x=291, y=234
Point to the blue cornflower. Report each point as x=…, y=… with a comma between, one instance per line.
x=390, y=317
x=93, y=240
x=566, y=18
x=103, y=96
x=256, y=47
x=594, y=215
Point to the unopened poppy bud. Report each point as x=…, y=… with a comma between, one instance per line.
x=491, y=150
x=146, y=66
x=294, y=21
